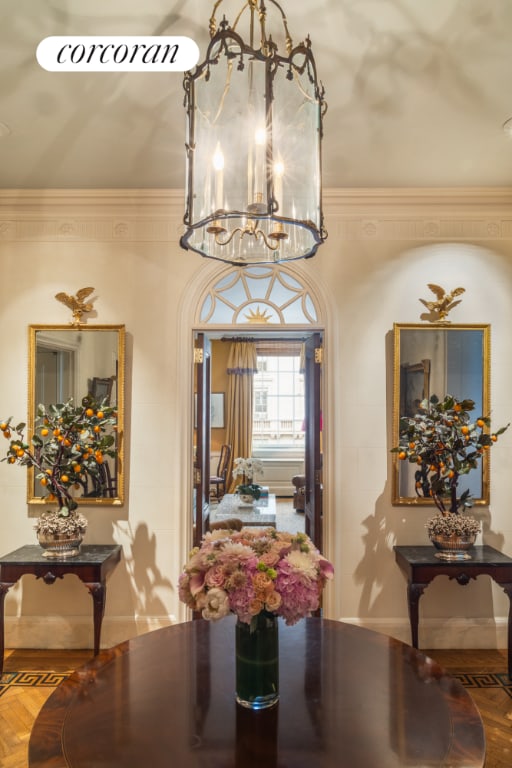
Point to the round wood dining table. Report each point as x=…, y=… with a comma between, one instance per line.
x=349, y=698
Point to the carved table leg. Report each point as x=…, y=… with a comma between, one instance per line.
x=508, y=589
x=4, y=588
x=414, y=592
x=98, y=594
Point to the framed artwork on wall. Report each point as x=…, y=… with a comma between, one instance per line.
x=414, y=386
x=101, y=389
x=216, y=410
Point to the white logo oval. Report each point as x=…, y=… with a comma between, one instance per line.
x=103, y=53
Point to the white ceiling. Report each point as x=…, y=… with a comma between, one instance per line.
x=418, y=91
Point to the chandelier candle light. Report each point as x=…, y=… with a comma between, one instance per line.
x=254, y=131
x=259, y=575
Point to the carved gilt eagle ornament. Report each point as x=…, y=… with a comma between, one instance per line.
x=76, y=304
x=444, y=303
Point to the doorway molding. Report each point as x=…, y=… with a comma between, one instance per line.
x=189, y=325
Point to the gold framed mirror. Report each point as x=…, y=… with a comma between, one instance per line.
x=72, y=361
x=439, y=359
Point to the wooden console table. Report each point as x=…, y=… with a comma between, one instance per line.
x=421, y=566
x=92, y=565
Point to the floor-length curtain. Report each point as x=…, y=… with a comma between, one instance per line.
x=242, y=365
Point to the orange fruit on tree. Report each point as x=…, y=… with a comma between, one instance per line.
x=44, y=431
x=100, y=415
x=7, y=433
x=89, y=412
x=3, y=426
x=480, y=423
x=402, y=455
x=464, y=430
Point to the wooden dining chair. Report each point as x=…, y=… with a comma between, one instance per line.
x=218, y=481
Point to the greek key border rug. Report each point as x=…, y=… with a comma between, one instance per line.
x=52, y=679
x=31, y=678
x=484, y=680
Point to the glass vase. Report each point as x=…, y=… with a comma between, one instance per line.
x=257, y=662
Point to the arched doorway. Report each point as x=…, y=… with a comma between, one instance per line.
x=271, y=306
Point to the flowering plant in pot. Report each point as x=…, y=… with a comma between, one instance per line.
x=69, y=446
x=445, y=443
x=258, y=574
x=248, y=469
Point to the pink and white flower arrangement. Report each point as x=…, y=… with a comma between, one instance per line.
x=255, y=570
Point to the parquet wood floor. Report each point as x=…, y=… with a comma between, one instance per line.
x=483, y=673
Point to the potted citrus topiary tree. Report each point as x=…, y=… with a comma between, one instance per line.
x=68, y=448
x=445, y=444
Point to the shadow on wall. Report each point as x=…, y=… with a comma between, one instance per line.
x=145, y=577
x=375, y=571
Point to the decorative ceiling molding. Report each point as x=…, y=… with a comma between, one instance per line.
x=352, y=214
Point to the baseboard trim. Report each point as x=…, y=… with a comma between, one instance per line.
x=76, y=632
x=442, y=633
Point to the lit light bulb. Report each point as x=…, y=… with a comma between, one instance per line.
x=259, y=137
x=218, y=158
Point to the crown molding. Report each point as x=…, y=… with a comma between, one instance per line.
x=156, y=215
x=418, y=200
x=424, y=214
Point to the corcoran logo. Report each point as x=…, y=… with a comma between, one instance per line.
x=117, y=54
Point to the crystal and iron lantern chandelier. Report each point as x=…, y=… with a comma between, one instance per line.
x=254, y=132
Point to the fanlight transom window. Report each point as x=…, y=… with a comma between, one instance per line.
x=258, y=296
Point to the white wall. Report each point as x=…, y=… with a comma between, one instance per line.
x=383, y=249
